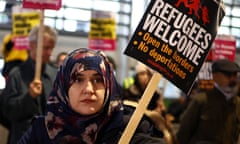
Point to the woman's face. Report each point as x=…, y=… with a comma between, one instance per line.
x=86, y=94
x=47, y=48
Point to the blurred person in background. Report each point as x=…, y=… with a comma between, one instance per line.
x=133, y=94
x=178, y=106
x=24, y=96
x=12, y=56
x=60, y=58
x=213, y=116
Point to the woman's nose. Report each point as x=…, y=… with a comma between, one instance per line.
x=88, y=87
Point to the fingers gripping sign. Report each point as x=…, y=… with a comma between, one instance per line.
x=35, y=88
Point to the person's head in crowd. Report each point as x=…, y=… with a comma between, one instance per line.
x=112, y=62
x=82, y=101
x=60, y=58
x=143, y=75
x=12, y=55
x=49, y=42
x=157, y=103
x=28, y=87
x=225, y=76
x=9, y=50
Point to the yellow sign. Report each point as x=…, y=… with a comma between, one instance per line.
x=103, y=28
x=24, y=22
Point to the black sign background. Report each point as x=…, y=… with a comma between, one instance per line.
x=174, y=38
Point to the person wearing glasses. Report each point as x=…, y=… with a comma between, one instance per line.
x=213, y=117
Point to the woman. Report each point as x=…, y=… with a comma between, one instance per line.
x=81, y=107
x=84, y=106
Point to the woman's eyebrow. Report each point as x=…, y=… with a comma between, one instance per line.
x=79, y=74
x=96, y=74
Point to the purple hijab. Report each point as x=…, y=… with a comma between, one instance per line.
x=62, y=123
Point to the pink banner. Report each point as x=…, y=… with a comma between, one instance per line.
x=42, y=4
x=224, y=46
x=101, y=44
x=21, y=43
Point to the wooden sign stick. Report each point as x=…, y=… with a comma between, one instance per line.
x=140, y=110
x=38, y=67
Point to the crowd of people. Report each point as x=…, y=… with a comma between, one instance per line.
x=79, y=100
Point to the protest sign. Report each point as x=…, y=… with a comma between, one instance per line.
x=205, y=79
x=174, y=38
x=223, y=47
x=22, y=23
x=42, y=4
x=102, y=34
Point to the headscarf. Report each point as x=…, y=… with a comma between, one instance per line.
x=67, y=126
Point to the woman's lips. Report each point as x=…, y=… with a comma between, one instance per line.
x=87, y=101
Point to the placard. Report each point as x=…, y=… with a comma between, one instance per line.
x=42, y=4
x=102, y=34
x=174, y=38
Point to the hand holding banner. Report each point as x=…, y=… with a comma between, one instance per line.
x=42, y=4
x=173, y=38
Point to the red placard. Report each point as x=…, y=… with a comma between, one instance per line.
x=224, y=46
x=42, y=4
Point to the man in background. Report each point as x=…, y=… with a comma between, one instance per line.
x=213, y=117
x=60, y=58
x=24, y=96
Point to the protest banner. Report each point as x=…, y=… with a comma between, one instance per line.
x=173, y=38
x=102, y=34
x=223, y=47
x=41, y=5
x=22, y=23
x=205, y=79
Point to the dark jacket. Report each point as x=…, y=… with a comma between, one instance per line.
x=211, y=118
x=37, y=134
x=18, y=106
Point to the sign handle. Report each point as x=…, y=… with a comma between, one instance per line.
x=140, y=110
x=38, y=67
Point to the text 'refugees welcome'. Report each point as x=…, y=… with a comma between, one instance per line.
x=178, y=30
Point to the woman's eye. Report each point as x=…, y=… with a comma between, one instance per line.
x=78, y=80
x=97, y=80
